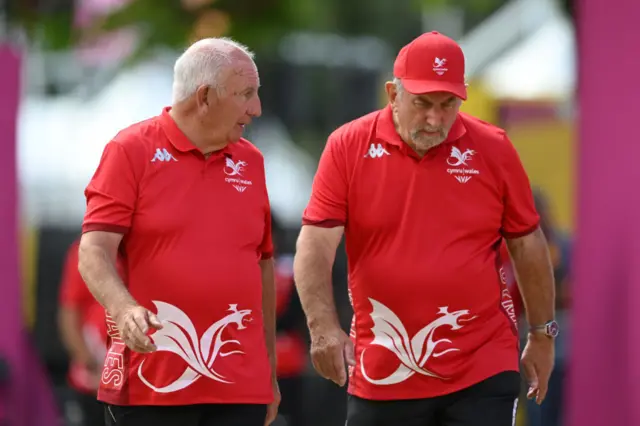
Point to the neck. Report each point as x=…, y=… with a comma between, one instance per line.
x=420, y=150
x=191, y=128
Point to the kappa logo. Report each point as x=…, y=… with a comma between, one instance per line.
x=376, y=151
x=439, y=65
x=162, y=155
x=459, y=158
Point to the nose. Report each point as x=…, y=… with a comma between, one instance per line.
x=255, y=107
x=433, y=117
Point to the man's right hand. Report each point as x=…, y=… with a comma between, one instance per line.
x=134, y=322
x=329, y=350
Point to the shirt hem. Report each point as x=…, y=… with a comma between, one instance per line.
x=412, y=394
x=104, y=227
x=177, y=401
x=512, y=235
x=327, y=223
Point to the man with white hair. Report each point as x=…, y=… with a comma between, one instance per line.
x=183, y=197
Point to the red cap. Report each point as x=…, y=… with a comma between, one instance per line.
x=431, y=63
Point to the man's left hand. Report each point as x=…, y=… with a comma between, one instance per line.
x=272, y=408
x=537, y=363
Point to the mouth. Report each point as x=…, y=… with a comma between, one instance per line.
x=245, y=121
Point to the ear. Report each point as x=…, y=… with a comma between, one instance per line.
x=203, y=96
x=392, y=92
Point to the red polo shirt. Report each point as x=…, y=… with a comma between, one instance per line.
x=195, y=229
x=422, y=238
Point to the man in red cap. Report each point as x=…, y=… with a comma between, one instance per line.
x=425, y=196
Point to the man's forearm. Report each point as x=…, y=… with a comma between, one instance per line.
x=99, y=272
x=534, y=273
x=269, y=309
x=312, y=272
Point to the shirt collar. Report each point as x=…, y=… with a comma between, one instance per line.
x=179, y=140
x=386, y=129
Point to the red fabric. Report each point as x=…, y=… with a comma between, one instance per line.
x=195, y=230
x=285, y=287
x=291, y=355
x=432, y=62
x=421, y=238
x=291, y=351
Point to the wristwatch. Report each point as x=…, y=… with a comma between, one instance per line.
x=550, y=329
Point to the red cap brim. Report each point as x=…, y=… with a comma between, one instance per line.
x=418, y=87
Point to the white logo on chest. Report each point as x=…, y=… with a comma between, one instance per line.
x=232, y=168
x=376, y=151
x=413, y=353
x=162, y=155
x=458, y=160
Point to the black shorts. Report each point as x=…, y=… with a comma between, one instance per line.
x=186, y=415
x=492, y=402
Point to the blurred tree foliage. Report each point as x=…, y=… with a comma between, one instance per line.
x=169, y=23
x=258, y=23
x=49, y=24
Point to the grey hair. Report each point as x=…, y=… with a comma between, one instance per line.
x=399, y=87
x=202, y=64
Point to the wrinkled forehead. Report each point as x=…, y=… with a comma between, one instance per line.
x=242, y=71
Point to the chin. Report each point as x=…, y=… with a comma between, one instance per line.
x=428, y=144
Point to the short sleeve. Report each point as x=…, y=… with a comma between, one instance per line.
x=520, y=217
x=73, y=291
x=328, y=204
x=111, y=194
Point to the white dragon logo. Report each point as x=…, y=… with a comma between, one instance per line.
x=179, y=336
x=234, y=168
x=438, y=62
x=413, y=354
x=458, y=158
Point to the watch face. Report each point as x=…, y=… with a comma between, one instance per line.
x=553, y=329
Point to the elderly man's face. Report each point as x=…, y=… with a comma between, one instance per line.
x=423, y=120
x=236, y=102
